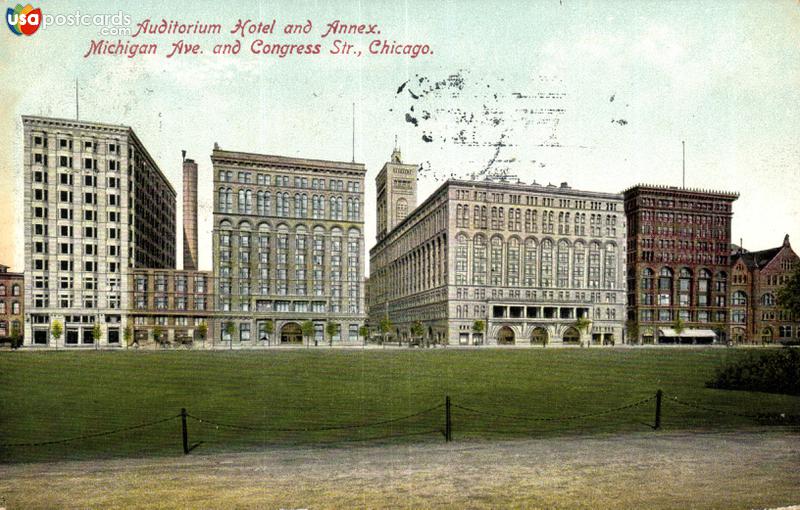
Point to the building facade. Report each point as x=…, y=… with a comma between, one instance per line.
x=170, y=307
x=678, y=249
x=96, y=206
x=756, y=278
x=288, y=244
x=189, y=214
x=483, y=262
x=12, y=301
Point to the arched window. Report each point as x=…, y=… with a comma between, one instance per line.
x=594, y=265
x=297, y=205
x=512, y=262
x=665, y=287
x=579, y=264
x=240, y=202
x=222, y=200
x=610, y=265
x=401, y=209
x=647, y=279
x=530, y=262
x=461, y=259
x=739, y=298
x=562, y=264
x=547, y=263
x=497, y=260
x=685, y=287
x=703, y=287
x=479, y=260
x=2, y=289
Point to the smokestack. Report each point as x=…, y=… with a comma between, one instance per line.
x=189, y=213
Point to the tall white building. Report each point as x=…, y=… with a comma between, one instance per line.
x=96, y=206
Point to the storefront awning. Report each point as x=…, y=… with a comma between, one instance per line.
x=687, y=333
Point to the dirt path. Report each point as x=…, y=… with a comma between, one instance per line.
x=755, y=469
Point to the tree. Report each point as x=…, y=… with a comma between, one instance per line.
x=331, y=329
x=56, y=330
x=307, y=328
x=202, y=331
x=385, y=327
x=789, y=294
x=158, y=333
x=127, y=335
x=269, y=327
x=363, y=331
x=417, y=330
x=478, y=327
x=230, y=330
x=16, y=336
x=632, y=328
x=97, y=333
x=679, y=326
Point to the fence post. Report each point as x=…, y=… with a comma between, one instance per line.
x=185, y=432
x=448, y=424
x=659, y=393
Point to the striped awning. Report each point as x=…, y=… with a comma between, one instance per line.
x=687, y=333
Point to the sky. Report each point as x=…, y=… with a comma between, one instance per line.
x=596, y=94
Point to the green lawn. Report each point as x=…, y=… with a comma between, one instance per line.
x=55, y=395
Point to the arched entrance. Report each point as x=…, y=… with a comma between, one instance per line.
x=291, y=333
x=505, y=336
x=766, y=335
x=571, y=336
x=539, y=336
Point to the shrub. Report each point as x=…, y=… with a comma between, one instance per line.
x=770, y=372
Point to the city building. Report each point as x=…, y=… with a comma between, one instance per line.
x=485, y=262
x=189, y=214
x=12, y=301
x=678, y=264
x=168, y=307
x=396, y=193
x=756, y=278
x=288, y=245
x=96, y=206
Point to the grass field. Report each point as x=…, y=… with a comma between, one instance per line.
x=55, y=395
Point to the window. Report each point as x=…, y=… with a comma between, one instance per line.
x=547, y=263
x=479, y=260
x=739, y=298
x=665, y=287
x=594, y=265
x=530, y=262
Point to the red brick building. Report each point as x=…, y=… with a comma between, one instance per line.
x=12, y=302
x=678, y=251
x=756, y=278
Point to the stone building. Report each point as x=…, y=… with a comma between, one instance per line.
x=12, y=301
x=288, y=244
x=168, y=306
x=756, y=278
x=482, y=262
x=678, y=248
x=96, y=206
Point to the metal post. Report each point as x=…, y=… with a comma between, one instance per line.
x=448, y=424
x=185, y=432
x=659, y=394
